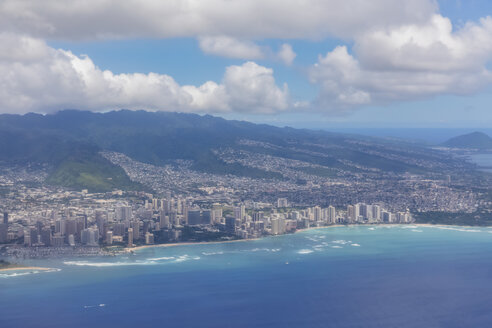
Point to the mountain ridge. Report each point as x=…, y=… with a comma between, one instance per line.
x=160, y=138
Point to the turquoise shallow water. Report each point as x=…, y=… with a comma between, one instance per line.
x=360, y=276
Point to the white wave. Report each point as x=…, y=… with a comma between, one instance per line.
x=336, y=246
x=108, y=264
x=416, y=230
x=341, y=242
x=162, y=258
x=93, y=306
x=150, y=261
x=409, y=227
x=19, y=273
x=263, y=250
x=212, y=253
x=459, y=229
x=372, y=228
x=304, y=251
x=355, y=245
x=185, y=257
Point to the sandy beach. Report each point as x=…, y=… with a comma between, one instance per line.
x=25, y=268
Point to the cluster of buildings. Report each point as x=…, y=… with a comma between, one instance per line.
x=160, y=220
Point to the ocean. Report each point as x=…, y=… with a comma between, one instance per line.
x=354, y=276
x=484, y=161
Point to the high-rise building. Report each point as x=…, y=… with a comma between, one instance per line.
x=4, y=228
x=149, y=238
x=357, y=213
x=130, y=237
x=102, y=222
x=156, y=204
x=386, y=216
x=258, y=216
x=71, y=240
x=216, y=213
x=207, y=217
x=61, y=227
x=27, y=238
x=57, y=240
x=278, y=225
x=275, y=222
x=366, y=211
x=376, y=212
x=5, y=218
x=89, y=237
x=317, y=213
x=230, y=224
x=109, y=238
x=194, y=217
x=136, y=229
x=350, y=213
x=239, y=212
x=123, y=212
x=332, y=214
x=71, y=228
x=46, y=236
x=163, y=220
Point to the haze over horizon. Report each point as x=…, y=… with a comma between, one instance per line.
x=310, y=64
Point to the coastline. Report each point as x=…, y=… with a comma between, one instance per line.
x=25, y=268
x=137, y=248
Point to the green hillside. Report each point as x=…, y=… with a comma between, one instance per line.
x=70, y=141
x=92, y=172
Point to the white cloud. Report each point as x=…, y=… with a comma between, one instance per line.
x=408, y=62
x=44, y=79
x=252, y=19
x=253, y=86
x=230, y=47
x=286, y=54
x=402, y=50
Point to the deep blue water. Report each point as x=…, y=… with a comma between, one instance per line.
x=399, y=276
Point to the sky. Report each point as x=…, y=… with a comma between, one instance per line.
x=310, y=64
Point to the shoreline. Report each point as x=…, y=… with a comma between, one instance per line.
x=137, y=248
x=25, y=268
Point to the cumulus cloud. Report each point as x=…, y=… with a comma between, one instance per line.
x=402, y=50
x=407, y=62
x=253, y=86
x=45, y=79
x=252, y=19
x=230, y=47
x=286, y=54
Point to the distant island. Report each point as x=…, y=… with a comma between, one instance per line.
x=474, y=140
